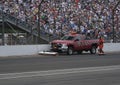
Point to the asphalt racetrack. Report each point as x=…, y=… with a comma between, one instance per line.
x=84, y=69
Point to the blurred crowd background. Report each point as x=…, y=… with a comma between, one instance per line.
x=59, y=17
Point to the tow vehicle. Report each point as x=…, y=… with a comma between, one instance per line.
x=75, y=43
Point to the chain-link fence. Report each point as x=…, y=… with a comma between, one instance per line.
x=58, y=18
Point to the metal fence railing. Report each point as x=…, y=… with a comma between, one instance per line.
x=27, y=27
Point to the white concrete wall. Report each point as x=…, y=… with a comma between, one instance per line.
x=18, y=50
x=112, y=47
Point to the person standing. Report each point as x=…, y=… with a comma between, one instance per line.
x=101, y=45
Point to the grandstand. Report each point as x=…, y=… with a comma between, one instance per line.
x=58, y=17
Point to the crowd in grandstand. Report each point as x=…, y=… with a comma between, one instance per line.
x=59, y=17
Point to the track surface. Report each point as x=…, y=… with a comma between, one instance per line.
x=85, y=69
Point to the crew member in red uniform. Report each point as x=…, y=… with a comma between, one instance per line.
x=101, y=45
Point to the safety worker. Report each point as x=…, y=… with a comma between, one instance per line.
x=101, y=45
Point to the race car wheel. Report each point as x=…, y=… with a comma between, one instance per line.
x=70, y=51
x=93, y=50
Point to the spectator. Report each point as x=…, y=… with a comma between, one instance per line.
x=95, y=15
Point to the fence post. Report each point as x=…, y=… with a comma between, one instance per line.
x=113, y=25
x=3, y=28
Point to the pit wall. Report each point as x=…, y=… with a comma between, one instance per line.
x=19, y=50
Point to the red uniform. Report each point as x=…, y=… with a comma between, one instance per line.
x=101, y=41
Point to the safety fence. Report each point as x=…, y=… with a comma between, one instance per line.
x=33, y=30
x=27, y=27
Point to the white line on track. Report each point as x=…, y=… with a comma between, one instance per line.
x=57, y=72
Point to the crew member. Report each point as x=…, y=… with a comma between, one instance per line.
x=101, y=45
